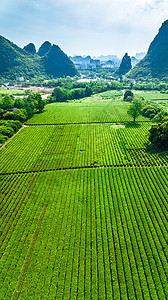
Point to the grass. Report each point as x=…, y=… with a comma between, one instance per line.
x=6, y=91
x=151, y=95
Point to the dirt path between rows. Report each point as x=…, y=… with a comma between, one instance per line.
x=23, y=126
x=83, y=167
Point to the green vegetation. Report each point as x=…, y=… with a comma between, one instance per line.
x=87, y=110
x=102, y=237
x=151, y=110
x=76, y=90
x=135, y=108
x=83, y=206
x=159, y=134
x=128, y=96
x=125, y=65
x=6, y=91
x=155, y=63
x=56, y=147
x=16, y=62
x=16, y=110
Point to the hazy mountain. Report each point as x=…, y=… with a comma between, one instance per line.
x=134, y=61
x=140, y=55
x=125, y=65
x=57, y=63
x=108, y=57
x=15, y=61
x=155, y=63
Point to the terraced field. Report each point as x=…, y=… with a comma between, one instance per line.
x=83, y=212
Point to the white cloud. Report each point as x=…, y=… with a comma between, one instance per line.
x=148, y=3
x=114, y=26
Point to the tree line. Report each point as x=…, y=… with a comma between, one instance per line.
x=15, y=111
x=158, y=134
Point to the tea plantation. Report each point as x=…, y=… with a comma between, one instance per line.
x=83, y=206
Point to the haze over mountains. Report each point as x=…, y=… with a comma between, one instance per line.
x=51, y=62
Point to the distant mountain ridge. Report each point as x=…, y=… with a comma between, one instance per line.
x=50, y=61
x=155, y=62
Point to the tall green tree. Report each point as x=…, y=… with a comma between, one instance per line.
x=135, y=109
x=159, y=134
x=58, y=95
x=36, y=102
x=128, y=96
x=6, y=102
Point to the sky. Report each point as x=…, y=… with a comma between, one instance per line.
x=87, y=27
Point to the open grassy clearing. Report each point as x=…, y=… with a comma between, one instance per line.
x=151, y=95
x=39, y=148
x=6, y=91
x=87, y=110
x=84, y=234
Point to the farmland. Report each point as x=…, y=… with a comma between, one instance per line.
x=90, y=110
x=83, y=206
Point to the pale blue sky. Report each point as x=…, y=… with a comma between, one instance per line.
x=84, y=27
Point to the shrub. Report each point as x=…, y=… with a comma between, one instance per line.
x=159, y=134
x=3, y=138
x=128, y=96
x=8, y=131
x=8, y=116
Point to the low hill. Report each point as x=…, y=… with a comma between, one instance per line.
x=48, y=62
x=155, y=63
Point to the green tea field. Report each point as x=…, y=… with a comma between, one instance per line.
x=95, y=109
x=83, y=206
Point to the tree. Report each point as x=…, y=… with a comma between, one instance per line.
x=135, y=109
x=58, y=95
x=36, y=102
x=19, y=115
x=19, y=103
x=6, y=102
x=151, y=110
x=128, y=96
x=2, y=111
x=40, y=102
x=88, y=91
x=159, y=134
x=6, y=131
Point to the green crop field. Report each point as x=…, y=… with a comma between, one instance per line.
x=40, y=148
x=83, y=207
x=151, y=95
x=94, y=109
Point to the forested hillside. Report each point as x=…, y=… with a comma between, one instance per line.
x=155, y=63
x=17, y=62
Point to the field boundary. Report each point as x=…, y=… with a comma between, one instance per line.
x=4, y=145
x=83, y=167
x=88, y=123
